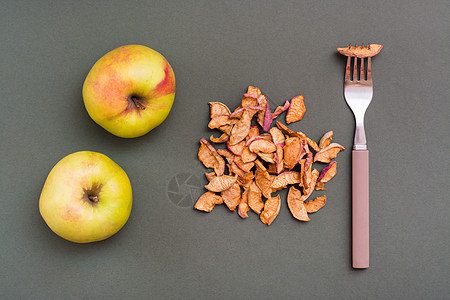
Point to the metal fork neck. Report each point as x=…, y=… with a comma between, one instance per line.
x=360, y=142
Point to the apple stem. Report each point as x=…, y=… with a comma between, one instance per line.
x=137, y=103
x=93, y=198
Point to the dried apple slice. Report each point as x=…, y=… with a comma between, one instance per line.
x=328, y=172
x=243, y=207
x=246, y=167
x=219, y=168
x=311, y=184
x=234, y=169
x=240, y=129
x=292, y=151
x=221, y=183
x=279, y=166
x=248, y=102
x=267, y=117
x=253, y=132
x=312, y=144
x=226, y=129
x=328, y=153
x=271, y=210
x=262, y=145
x=255, y=201
x=284, y=179
x=232, y=196
x=251, y=90
x=208, y=155
x=248, y=156
x=309, y=157
x=326, y=139
x=226, y=154
x=267, y=157
x=296, y=205
x=217, y=109
x=313, y=206
x=277, y=136
x=296, y=110
x=263, y=179
x=280, y=109
x=284, y=129
x=220, y=121
x=246, y=180
x=207, y=201
x=237, y=148
x=361, y=51
x=222, y=139
x=262, y=102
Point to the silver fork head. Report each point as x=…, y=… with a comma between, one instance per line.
x=358, y=92
x=358, y=95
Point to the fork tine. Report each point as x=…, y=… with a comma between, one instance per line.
x=369, y=69
x=355, y=69
x=347, y=69
x=361, y=72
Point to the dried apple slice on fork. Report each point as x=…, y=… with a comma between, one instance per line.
x=361, y=51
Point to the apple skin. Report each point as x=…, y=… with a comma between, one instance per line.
x=130, y=90
x=65, y=203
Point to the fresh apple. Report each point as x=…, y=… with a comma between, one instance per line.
x=86, y=197
x=130, y=90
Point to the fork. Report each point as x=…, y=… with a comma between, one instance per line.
x=358, y=95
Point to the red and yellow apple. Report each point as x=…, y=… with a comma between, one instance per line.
x=130, y=90
x=86, y=197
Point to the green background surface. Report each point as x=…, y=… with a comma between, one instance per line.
x=167, y=250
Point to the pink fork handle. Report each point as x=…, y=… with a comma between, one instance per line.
x=360, y=208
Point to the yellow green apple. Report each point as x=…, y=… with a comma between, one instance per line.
x=86, y=197
x=130, y=90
